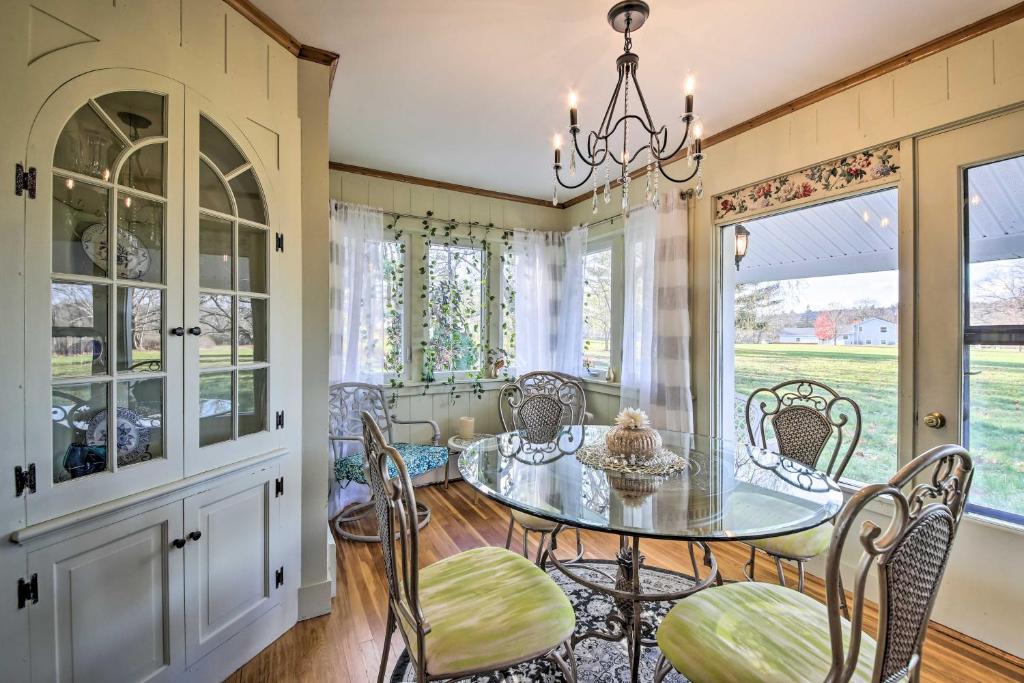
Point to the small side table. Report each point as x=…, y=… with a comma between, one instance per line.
x=457, y=444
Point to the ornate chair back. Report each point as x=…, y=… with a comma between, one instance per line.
x=928, y=496
x=539, y=418
x=348, y=401
x=806, y=419
x=395, y=505
x=566, y=389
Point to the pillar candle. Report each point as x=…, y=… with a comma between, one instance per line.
x=466, y=425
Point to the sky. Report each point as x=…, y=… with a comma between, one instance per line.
x=819, y=293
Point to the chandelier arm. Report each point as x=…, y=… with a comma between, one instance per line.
x=592, y=147
x=622, y=119
x=610, y=110
x=682, y=143
x=643, y=103
x=558, y=177
x=696, y=168
x=579, y=152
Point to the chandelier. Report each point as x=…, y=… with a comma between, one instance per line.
x=608, y=146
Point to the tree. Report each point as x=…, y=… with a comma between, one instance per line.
x=836, y=316
x=824, y=328
x=756, y=305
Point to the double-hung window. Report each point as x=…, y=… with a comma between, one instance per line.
x=456, y=279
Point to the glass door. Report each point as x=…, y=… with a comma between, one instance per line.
x=969, y=358
x=103, y=276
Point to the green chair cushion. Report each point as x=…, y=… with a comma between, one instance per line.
x=801, y=545
x=754, y=632
x=488, y=609
x=418, y=459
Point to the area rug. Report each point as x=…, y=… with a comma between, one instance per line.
x=596, y=660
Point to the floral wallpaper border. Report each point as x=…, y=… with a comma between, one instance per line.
x=821, y=180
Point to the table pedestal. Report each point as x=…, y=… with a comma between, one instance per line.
x=628, y=621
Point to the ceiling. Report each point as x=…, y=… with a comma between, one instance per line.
x=471, y=92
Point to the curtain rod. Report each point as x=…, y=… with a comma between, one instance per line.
x=683, y=194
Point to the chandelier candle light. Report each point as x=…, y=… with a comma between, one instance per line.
x=625, y=17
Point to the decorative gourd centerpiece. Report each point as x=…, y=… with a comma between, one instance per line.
x=632, y=438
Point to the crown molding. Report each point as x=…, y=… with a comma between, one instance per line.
x=960, y=35
x=282, y=37
x=440, y=184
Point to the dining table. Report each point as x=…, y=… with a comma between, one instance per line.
x=716, y=490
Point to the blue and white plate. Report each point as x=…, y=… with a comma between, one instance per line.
x=132, y=255
x=132, y=435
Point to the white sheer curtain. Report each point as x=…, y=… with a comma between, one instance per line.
x=549, y=299
x=357, y=294
x=357, y=290
x=656, y=321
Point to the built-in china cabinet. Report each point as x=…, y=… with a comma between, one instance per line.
x=153, y=492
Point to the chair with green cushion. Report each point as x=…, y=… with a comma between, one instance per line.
x=765, y=632
x=523, y=407
x=347, y=401
x=802, y=420
x=480, y=611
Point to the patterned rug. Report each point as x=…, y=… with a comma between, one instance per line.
x=596, y=660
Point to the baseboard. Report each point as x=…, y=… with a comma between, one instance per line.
x=315, y=599
x=976, y=644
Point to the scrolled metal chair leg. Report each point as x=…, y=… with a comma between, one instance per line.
x=662, y=669
x=511, y=527
x=526, y=547
x=388, y=630
x=748, y=567
x=541, y=549
x=842, y=599
x=800, y=575
x=782, y=574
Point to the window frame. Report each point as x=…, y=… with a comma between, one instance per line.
x=606, y=243
x=485, y=312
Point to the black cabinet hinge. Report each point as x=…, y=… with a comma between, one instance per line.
x=279, y=578
x=278, y=242
x=279, y=422
x=28, y=591
x=278, y=487
x=24, y=479
x=24, y=181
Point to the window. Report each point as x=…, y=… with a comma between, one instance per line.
x=797, y=305
x=508, y=314
x=994, y=336
x=597, y=312
x=394, y=308
x=455, y=286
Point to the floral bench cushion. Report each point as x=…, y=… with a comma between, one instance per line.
x=419, y=458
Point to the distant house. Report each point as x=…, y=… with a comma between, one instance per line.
x=867, y=332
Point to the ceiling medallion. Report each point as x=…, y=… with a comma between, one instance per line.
x=626, y=17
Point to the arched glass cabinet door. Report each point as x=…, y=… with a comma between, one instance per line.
x=103, y=280
x=229, y=369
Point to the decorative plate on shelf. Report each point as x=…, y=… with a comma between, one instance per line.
x=133, y=258
x=132, y=435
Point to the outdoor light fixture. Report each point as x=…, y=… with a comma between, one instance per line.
x=742, y=242
x=625, y=17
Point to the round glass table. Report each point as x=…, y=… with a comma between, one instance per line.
x=720, y=491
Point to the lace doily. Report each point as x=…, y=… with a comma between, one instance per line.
x=663, y=464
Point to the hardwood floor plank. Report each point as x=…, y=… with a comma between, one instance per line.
x=346, y=644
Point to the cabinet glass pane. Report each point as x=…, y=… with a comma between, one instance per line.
x=212, y=194
x=87, y=145
x=144, y=170
x=215, y=253
x=252, y=259
x=78, y=342
x=79, y=419
x=995, y=220
x=248, y=197
x=252, y=330
x=252, y=401
x=140, y=420
x=79, y=228
x=215, y=145
x=215, y=323
x=215, y=405
x=140, y=332
x=138, y=114
x=140, y=239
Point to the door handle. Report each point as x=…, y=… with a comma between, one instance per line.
x=935, y=420
x=195, y=535
x=178, y=543
x=178, y=331
x=195, y=331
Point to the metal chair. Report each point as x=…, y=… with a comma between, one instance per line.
x=537, y=404
x=759, y=631
x=802, y=417
x=482, y=610
x=348, y=400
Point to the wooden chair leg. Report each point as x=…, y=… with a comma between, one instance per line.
x=388, y=630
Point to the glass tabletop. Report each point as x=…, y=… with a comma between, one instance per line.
x=725, y=491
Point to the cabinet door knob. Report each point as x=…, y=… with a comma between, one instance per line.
x=195, y=535
x=935, y=420
x=178, y=331
x=195, y=331
x=178, y=543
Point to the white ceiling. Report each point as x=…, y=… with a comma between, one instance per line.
x=470, y=92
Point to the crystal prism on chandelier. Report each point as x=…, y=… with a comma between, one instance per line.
x=608, y=145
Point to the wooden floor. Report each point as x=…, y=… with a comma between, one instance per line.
x=346, y=644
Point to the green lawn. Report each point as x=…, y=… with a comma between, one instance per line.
x=868, y=376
